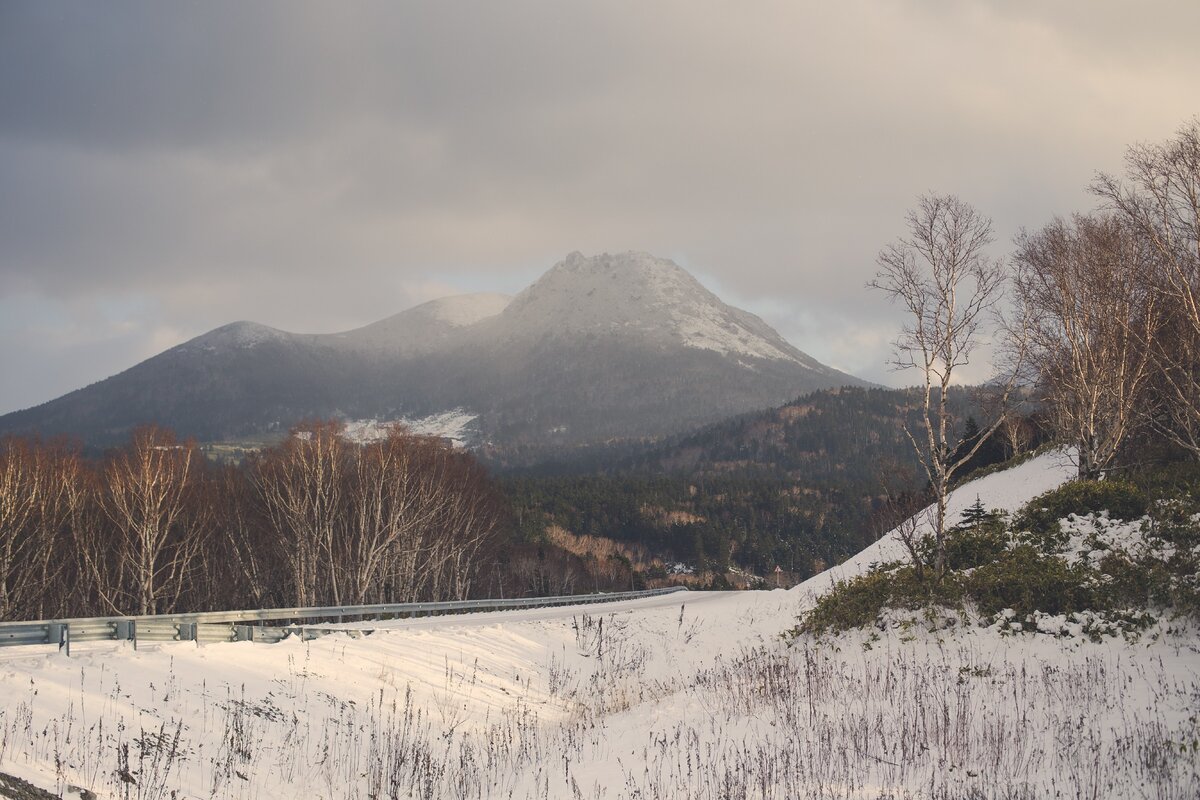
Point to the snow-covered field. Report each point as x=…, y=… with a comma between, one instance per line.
x=692, y=695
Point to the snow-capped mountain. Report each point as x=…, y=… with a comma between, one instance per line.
x=635, y=295
x=598, y=349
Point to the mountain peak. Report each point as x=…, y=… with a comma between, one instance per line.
x=602, y=347
x=608, y=290
x=636, y=294
x=236, y=335
x=629, y=265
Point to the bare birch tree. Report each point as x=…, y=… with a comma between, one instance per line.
x=1088, y=315
x=1161, y=201
x=316, y=519
x=904, y=514
x=243, y=536
x=392, y=505
x=18, y=492
x=35, y=482
x=98, y=561
x=146, y=493
x=45, y=588
x=469, y=521
x=1016, y=432
x=300, y=485
x=943, y=277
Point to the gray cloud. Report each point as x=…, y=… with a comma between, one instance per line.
x=167, y=168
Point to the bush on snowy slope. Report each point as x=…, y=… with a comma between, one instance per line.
x=1119, y=499
x=1091, y=557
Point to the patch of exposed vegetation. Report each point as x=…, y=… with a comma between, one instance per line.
x=1091, y=558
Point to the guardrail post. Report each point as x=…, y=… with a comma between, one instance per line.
x=123, y=630
x=187, y=631
x=59, y=633
x=243, y=633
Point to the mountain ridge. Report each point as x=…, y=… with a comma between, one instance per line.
x=602, y=347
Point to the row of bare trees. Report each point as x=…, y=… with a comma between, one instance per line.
x=154, y=527
x=1105, y=329
x=1110, y=305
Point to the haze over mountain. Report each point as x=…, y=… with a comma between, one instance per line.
x=602, y=348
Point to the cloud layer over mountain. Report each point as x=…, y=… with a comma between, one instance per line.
x=316, y=166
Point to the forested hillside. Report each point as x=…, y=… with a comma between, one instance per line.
x=798, y=487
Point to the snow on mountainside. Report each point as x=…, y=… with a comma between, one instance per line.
x=612, y=348
x=467, y=309
x=425, y=327
x=455, y=425
x=637, y=294
x=236, y=336
x=689, y=695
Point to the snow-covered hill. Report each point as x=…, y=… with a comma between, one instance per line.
x=691, y=695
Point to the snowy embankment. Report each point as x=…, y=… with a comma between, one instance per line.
x=693, y=695
x=1007, y=491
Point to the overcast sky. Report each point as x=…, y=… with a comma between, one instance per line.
x=166, y=168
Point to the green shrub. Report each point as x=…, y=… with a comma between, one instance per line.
x=859, y=601
x=1185, y=596
x=987, y=566
x=1040, y=516
x=1027, y=580
x=1135, y=584
x=849, y=604
x=975, y=546
x=1172, y=582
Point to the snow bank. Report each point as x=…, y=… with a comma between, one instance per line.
x=1007, y=491
x=691, y=695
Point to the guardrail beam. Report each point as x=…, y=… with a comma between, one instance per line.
x=239, y=626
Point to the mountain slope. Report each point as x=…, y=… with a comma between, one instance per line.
x=424, y=328
x=609, y=347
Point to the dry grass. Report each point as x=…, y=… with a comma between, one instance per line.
x=876, y=718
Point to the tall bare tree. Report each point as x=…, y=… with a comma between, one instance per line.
x=469, y=521
x=1160, y=198
x=394, y=497
x=300, y=486
x=943, y=277
x=1087, y=312
x=56, y=469
x=147, y=493
x=18, y=493
x=36, y=479
x=242, y=539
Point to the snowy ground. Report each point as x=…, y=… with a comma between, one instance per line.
x=457, y=425
x=692, y=695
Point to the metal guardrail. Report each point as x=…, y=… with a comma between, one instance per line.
x=238, y=626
